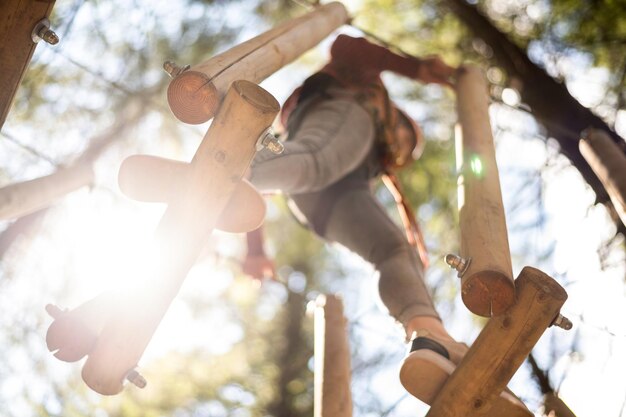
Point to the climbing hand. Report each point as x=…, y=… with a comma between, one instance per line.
x=259, y=267
x=434, y=70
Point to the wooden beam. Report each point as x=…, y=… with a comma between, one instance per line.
x=20, y=199
x=332, y=396
x=487, y=283
x=500, y=348
x=154, y=179
x=18, y=18
x=609, y=163
x=26, y=197
x=217, y=167
x=195, y=94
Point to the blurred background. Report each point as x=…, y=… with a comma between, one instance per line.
x=231, y=347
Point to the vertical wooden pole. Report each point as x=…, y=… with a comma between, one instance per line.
x=18, y=18
x=195, y=94
x=332, y=396
x=487, y=284
x=608, y=161
x=217, y=167
x=500, y=349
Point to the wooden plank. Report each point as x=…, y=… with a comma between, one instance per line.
x=195, y=94
x=332, y=396
x=18, y=18
x=500, y=348
x=487, y=284
x=608, y=161
x=217, y=167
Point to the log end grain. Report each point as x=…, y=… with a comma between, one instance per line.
x=193, y=98
x=488, y=293
x=256, y=96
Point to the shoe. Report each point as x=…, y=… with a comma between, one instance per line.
x=429, y=364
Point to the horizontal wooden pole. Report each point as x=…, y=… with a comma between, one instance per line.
x=217, y=167
x=26, y=197
x=608, y=161
x=18, y=18
x=195, y=94
x=487, y=284
x=154, y=179
x=500, y=348
x=332, y=395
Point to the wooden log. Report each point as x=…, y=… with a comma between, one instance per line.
x=18, y=18
x=195, y=94
x=500, y=348
x=608, y=161
x=154, y=179
x=332, y=396
x=487, y=284
x=218, y=165
x=20, y=199
x=26, y=197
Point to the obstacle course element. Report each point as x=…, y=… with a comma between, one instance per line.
x=608, y=162
x=501, y=348
x=211, y=179
x=332, y=397
x=22, y=25
x=194, y=95
x=487, y=285
x=154, y=179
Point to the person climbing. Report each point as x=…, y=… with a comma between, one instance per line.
x=344, y=132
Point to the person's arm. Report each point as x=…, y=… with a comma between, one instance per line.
x=256, y=264
x=370, y=60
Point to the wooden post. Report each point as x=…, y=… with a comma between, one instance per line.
x=26, y=197
x=217, y=167
x=18, y=18
x=608, y=161
x=487, y=284
x=332, y=397
x=195, y=94
x=500, y=348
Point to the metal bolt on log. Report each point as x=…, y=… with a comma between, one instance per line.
x=136, y=379
x=173, y=69
x=270, y=141
x=458, y=263
x=562, y=322
x=42, y=31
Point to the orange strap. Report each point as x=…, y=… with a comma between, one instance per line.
x=411, y=227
